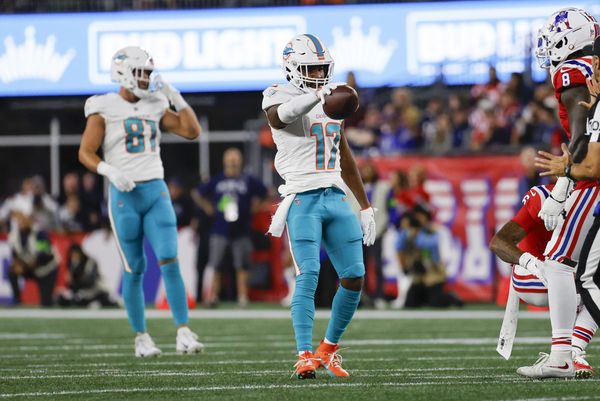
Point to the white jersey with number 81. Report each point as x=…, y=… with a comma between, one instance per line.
x=132, y=133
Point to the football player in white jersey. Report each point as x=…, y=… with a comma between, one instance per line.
x=317, y=165
x=128, y=126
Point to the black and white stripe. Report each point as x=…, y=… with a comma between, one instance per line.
x=588, y=271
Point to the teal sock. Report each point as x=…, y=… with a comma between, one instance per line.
x=344, y=305
x=303, y=309
x=133, y=297
x=176, y=295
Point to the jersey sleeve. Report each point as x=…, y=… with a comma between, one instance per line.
x=527, y=215
x=93, y=105
x=593, y=127
x=568, y=77
x=274, y=95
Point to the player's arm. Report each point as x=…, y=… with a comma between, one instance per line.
x=350, y=173
x=504, y=242
x=351, y=177
x=571, y=99
x=281, y=115
x=91, y=140
x=183, y=123
x=587, y=170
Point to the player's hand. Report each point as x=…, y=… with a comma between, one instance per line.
x=551, y=213
x=171, y=93
x=534, y=266
x=116, y=177
x=553, y=164
x=326, y=90
x=594, y=88
x=367, y=223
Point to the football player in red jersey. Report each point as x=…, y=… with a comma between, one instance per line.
x=561, y=44
x=521, y=242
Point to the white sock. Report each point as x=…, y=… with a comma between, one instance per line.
x=183, y=329
x=562, y=300
x=326, y=341
x=584, y=330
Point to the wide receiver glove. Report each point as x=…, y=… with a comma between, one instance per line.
x=116, y=177
x=533, y=265
x=326, y=90
x=171, y=93
x=367, y=223
x=553, y=206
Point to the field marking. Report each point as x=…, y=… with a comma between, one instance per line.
x=263, y=314
x=556, y=398
x=299, y=386
x=30, y=336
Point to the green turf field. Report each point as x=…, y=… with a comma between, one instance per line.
x=393, y=357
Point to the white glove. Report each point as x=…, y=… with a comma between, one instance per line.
x=326, y=90
x=116, y=177
x=551, y=212
x=367, y=222
x=533, y=265
x=552, y=209
x=171, y=93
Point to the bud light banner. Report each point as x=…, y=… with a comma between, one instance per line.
x=241, y=49
x=471, y=203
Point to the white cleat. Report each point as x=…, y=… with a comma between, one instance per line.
x=187, y=342
x=546, y=367
x=145, y=347
x=583, y=370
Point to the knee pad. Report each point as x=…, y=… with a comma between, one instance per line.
x=529, y=288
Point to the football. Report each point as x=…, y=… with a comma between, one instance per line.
x=341, y=103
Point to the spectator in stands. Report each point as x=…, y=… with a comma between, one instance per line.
x=84, y=282
x=396, y=206
x=400, y=131
x=459, y=114
x=531, y=177
x=32, y=258
x=91, y=201
x=21, y=202
x=70, y=215
x=490, y=90
x=418, y=250
x=182, y=202
x=231, y=198
x=364, y=138
x=70, y=187
x=44, y=207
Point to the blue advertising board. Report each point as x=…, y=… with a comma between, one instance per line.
x=240, y=49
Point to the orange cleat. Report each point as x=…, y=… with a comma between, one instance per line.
x=306, y=366
x=327, y=357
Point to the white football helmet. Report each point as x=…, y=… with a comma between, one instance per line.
x=127, y=68
x=565, y=32
x=302, y=52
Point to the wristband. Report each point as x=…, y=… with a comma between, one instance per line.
x=568, y=171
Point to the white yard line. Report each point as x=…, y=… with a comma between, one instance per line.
x=299, y=386
x=263, y=314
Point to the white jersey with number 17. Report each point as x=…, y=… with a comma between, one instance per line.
x=308, y=150
x=132, y=133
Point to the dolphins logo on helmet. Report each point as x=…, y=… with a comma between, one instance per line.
x=304, y=51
